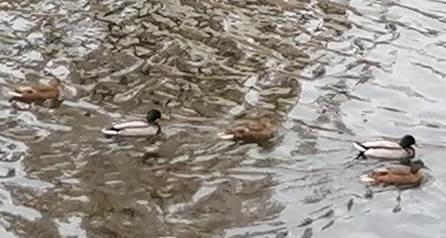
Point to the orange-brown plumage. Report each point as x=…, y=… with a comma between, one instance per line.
x=396, y=174
x=250, y=130
x=37, y=93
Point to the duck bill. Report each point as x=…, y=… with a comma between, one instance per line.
x=418, y=145
x=164, y=117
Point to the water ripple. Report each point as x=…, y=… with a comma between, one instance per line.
x=334, y=72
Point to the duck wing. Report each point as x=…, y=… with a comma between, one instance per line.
x=46, y=91
x=137, y=131
x=257, y=135
x=255, y=126
x=399, y=169
x=247, y=131
x=130, y=124
x=243, y=127
x=386, y=153
x=364, y=146
x=399, y=179
x=132, y=128
x=374, y=174
x=381, y=144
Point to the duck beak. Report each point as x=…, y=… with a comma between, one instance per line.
x=425, y=167
x=164, y=117
x=418, y=145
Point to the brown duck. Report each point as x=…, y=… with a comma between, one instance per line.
x=407, y=173
x=38, y=93
x=250, y=130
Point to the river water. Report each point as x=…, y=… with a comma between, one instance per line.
x=333, y=72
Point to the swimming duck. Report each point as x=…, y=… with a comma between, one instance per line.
x=387, y=149
x=38, y=93
x=250, y=130
x=407, y=173
x=136, y=128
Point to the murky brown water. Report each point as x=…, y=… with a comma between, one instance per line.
x=333, y=72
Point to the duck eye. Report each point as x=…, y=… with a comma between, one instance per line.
x=29, y=91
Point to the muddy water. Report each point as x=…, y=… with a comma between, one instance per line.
x=332, y=72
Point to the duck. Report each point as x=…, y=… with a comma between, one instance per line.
x=405, y=173
x=136, y=128
x=38, y=93
x=387, y=149
x=250, y=130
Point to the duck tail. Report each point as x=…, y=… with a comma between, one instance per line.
x=362, y=149
x=358, y=146
x=366, y=179
x=109, y=132
x=225, y=136
x=15, y=94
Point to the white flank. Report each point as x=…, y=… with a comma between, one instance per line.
x=225, y=136
x=359, y=147
x=14, y=94
x=366, y=179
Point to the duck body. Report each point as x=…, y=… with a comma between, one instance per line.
x=250, y=130
x=387, y=149
x=131, y=128
x=136, y=128
x=38, y=93
x=396, y=174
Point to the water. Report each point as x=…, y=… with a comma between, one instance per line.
x=333, y=72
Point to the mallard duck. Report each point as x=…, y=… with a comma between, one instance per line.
x=407, y=173
x=387, y=149
x=38, y=93
x=136, y=128
x=250, y=130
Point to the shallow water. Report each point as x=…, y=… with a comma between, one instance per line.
x=333, y=72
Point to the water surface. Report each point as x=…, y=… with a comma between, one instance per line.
x=334, y=72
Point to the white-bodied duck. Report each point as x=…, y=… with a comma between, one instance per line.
x=406, y=173
x=136, y=128
x=387, y=149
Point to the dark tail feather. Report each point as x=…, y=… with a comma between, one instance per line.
x=362, y=149
x=359, y=146
x=360, y=155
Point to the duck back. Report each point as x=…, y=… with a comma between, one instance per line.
x=386, y=153
x=381, y=144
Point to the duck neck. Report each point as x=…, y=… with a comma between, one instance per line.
x=410, y=151
x=159, y=127
x=414, y=169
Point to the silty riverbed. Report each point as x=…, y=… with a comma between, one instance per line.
x=333, y=73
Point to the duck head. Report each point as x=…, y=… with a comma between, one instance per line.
x=153, y=117
x=416, y=165
x=407, y=141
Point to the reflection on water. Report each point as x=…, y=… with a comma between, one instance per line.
x=334, y=72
